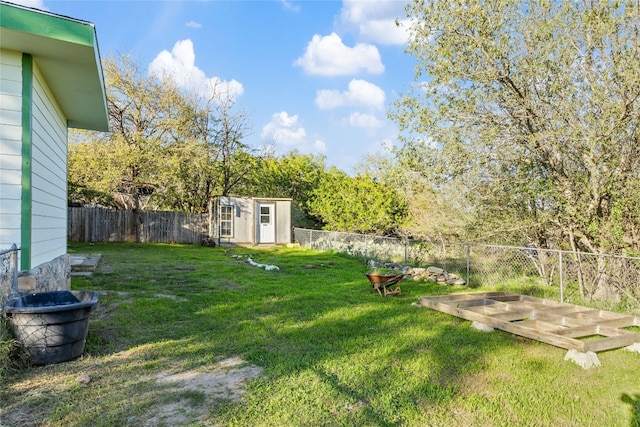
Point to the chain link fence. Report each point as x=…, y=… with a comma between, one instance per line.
x=8, y=274
x=578, y=275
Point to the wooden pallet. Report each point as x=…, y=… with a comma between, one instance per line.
x=563, y=325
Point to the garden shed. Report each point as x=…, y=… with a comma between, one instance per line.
x=50, y=80
x=250, y=220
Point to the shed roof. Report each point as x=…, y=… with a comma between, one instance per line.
x=66, y=52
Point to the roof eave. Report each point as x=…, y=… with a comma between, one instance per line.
x=66, y=51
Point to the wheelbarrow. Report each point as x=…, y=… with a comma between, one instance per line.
x=383, y=283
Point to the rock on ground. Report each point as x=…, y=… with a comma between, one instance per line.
x=586, y=360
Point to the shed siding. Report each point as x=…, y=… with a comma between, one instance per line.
x=242, y=219
x=244, y=223
x=49, y=175
x=10, y=146
x=283, y=221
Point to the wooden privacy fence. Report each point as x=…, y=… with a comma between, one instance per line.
x=110, y=225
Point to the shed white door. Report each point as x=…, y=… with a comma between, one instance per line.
x=266, y=223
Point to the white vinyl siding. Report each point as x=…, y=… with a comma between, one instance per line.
x=49, y=175
x=10, y=147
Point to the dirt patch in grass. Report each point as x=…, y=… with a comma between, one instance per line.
x=171, y=297
x=224, y=380
x=103, y=311
x=181, y=397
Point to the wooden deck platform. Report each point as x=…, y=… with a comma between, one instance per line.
x=563, y=325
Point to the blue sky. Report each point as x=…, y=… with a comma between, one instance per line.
x=316, y=76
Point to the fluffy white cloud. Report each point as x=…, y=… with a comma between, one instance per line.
x=360, y=93
x=375, y=21
x=284, y=129
x=180, y=65
x=193, y=24
x=328, y=56
x=362, y=120
x=287, y=134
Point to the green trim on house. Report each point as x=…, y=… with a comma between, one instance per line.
x=47, y=25
x=65, y=50
x=25, y=211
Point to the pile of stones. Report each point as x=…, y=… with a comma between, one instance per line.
x=434, y=274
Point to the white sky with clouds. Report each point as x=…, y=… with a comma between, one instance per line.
x=315, y=76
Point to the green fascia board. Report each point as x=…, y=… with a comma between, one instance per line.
x=66, y=51
x=46, y=25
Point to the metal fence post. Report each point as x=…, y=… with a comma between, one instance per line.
x=9, y=273
x=468, y=262
x=490, y=261
x=14, y=276
x=406, y=251
x=366, y=249
x=561, y=276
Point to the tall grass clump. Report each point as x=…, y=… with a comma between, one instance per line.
x=10, y=357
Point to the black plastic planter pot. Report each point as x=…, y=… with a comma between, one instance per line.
x=52, y=326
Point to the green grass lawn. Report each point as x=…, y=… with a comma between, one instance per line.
x=316, y=346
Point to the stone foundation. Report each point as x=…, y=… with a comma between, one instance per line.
x=54, y=275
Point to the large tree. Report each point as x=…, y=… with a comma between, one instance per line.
x=169, y=148
x=357, y=204
x=234, y=159
x=214, y=160
x=431, y=211
x=147, y=118
x=292, y=175
x=534, y=107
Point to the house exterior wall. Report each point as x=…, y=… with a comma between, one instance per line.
x=48, y=175
x=50, y=78
x=10, y=147
x=42, y=170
